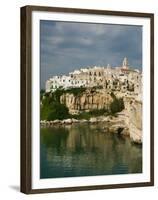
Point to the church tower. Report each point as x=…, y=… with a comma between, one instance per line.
x=125, y=63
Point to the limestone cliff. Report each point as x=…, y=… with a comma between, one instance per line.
x=88, y=100
x=133, y=119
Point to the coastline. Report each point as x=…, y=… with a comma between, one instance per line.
x=113, y=124
x=92, y=120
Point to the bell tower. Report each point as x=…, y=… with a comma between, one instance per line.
x=125, y=63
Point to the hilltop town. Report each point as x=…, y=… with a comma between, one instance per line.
x=122, y=79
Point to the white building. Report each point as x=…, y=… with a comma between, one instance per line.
x=113, y=78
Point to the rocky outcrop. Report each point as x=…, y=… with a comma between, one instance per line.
x=133, y=118
x=88, y=100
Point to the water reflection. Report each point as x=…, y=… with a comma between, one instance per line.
x=86, y=150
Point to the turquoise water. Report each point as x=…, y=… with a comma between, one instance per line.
x=86, y=150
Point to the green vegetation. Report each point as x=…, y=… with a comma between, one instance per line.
x=75, y=91
x=41, y=94
x=92, y=113
x=52, y=109
x=117, y=105
x=58, y=111
x=82, y=115
x=98, y=112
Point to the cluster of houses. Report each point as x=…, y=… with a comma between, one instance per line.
x=120, y=78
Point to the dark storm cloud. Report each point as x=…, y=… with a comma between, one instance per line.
x=65, y=46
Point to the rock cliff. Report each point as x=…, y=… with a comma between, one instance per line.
x=133, y=118
x=86, y=101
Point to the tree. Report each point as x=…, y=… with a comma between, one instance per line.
x=58, y=111
x=117, y=105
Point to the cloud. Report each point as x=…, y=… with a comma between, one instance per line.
x=65, y=46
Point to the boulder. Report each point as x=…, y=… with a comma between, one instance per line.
x=74, y=120
x=67, y=121
x=57, y=121
x=93, y=120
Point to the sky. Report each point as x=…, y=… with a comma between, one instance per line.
x=66, y=46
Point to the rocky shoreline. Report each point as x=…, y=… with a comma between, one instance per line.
x=72, y=121
x=113, y=124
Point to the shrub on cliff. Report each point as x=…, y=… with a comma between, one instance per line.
x=117, y=105
x=58, y=111
x=75, y=91
x=54, y=111
x=98, y=112
x=42, y=92
x=92, y=113
x=51, y=107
